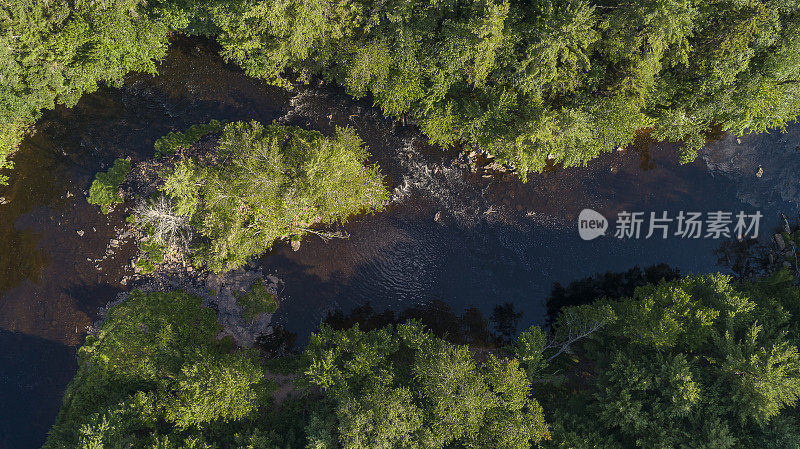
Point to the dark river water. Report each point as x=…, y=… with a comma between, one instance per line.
x=495, y=240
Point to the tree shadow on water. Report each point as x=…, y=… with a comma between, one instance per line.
x=33, y=375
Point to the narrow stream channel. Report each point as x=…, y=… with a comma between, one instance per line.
x=448, y=235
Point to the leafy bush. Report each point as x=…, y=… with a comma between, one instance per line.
x=105, y=188
x=256, y=300
x=174, y=141
x=274, y=182
x=53, y=52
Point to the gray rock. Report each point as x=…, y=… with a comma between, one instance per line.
x=779, y=241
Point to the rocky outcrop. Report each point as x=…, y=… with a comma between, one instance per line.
x=219, y=292
x=222, y=291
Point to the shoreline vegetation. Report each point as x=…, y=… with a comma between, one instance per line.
x=534, y=84
x=698, y=360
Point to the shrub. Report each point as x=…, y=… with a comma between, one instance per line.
x=105, y=188
x=256, y=301
x=175, y=141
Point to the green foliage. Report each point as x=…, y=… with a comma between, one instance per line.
x=404, y=387
x=695, y=362
x=10, y=137
x=537, y=82
x=547, y=81
x=153, y=250
x=105, y=187
x=175, y=141
x=152, y=257
x=256, y=300
x=55, y=51
x=215, y=388
x=274, y=182
x=156, y=376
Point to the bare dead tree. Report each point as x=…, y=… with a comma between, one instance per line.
x=166, y=227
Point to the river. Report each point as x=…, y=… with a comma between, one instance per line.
x=495, y=240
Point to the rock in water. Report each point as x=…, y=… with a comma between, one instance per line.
x=779, y=241
x=773, y=156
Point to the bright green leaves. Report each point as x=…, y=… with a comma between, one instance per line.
x=765, y=377
x=664, y=316
x=59, y=50
x=104, y=190
x=155, y=372
x=368, y=68
x=558, y=59
x=407, y=388
x=695, y=362
x=10, y=136
x=175, y=141
x=489, y=29
x=183, y=185
x=543, y=82
x=275, y=182
x=534, y=83
x=215, y=388
x=529, y=349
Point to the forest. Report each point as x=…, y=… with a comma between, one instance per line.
x=692, y=362
x=534, y=83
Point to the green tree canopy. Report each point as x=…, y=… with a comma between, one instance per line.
x=535, y=82
x=272, y=182
x=155, y=373
x=696, y=362
x=403, y=387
